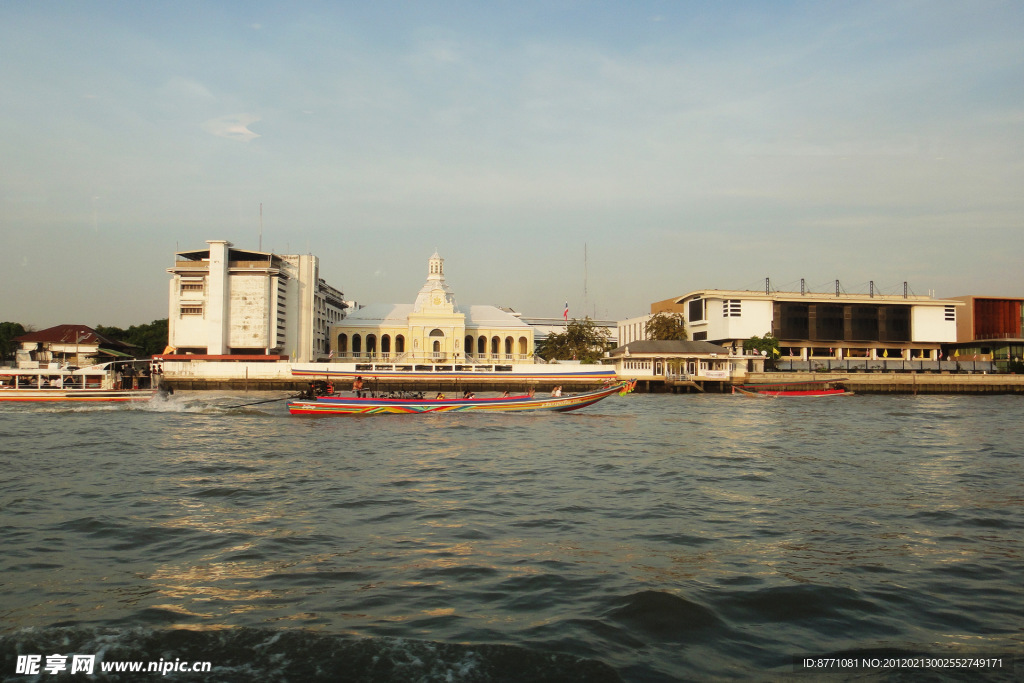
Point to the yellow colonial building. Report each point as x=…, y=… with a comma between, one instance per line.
x=433, y=329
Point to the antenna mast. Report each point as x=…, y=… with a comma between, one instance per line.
x=585, y=274
x=261, y=227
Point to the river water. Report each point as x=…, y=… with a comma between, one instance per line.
x=646, y=538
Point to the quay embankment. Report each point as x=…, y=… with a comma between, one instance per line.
x=904, y=383
x=860, y=383
x=278, y=377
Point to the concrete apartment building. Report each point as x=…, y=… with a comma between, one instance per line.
x=227, y=302
x=815, y=325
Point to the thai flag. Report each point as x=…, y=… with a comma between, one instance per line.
x=565, y=312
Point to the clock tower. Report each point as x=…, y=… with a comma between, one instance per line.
x=436, y=327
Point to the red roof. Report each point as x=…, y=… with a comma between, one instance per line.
x=69, y=334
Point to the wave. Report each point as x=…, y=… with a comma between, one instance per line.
x=253, y=654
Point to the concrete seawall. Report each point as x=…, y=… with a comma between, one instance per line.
x=277, y=377
x=905, y=383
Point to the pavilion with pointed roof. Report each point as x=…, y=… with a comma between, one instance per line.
x=434, y=328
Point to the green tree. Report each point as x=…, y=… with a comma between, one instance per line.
x=768, y=344
x=582, y=340
x=665, y=326
x=8, y=331
x=150, y=339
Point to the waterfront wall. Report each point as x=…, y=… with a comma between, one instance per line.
x=258, y=376
x=905, y=383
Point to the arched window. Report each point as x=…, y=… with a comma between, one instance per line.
x=357, y=345
x=523, y=347
x=342, y=344
x=495, y=346
x=508, y=347
x=399, y=343
x=481, y=346
x=436, y=337
x=385, y=344
x=468, y=345
x=371, y=345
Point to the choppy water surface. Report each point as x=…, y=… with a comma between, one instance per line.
x=649, y=537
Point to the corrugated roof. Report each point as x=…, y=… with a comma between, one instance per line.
x=670, y=347
x=69, y=334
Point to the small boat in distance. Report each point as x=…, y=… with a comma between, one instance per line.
x=105, y=382
x=793, y=389
x=355, y=405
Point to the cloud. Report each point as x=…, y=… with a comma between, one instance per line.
x=233, y=127
x=187, y=89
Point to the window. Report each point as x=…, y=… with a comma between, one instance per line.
x=191, y=310
x=695, y=310
x=951, y=313
x=731, y=308
x=191, y=284
x=700, y=336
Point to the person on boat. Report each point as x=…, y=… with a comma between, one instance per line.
x=357, y=386
x=468, y=394
x=506, y=394
x=531, y=392
x=557, y=391
x=439, y=396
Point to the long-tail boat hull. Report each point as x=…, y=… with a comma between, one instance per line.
x=339, y=405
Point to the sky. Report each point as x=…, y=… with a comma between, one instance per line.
x=601, y=154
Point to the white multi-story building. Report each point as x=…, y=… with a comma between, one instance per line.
x=232, y=302
x=633, y=329
x=840, y=326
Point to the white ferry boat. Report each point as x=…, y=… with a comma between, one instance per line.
x=106, y=382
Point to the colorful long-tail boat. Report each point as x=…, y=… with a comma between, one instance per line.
x=368, y=405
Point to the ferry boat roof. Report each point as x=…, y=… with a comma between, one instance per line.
x=99, y=369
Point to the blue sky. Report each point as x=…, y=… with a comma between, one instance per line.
x=680, y=145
